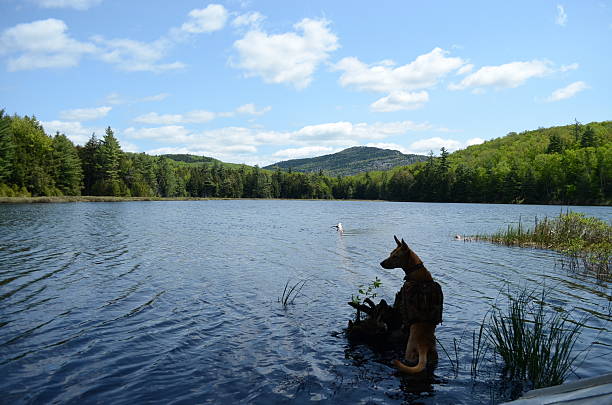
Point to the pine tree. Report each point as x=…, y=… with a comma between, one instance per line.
x=91, y=164
x=110, y=153
x=67, y=166
x=6, y=147
x=588, y=137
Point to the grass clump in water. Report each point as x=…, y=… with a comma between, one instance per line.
x=535, y=346
x=587, y=241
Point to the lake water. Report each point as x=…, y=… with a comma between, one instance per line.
x=177, y=302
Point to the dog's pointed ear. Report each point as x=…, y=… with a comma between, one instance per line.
x=404, y=245
x=397, y=241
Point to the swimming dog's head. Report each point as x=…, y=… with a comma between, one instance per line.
x=399, y=257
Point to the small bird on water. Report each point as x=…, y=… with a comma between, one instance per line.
x=339, y=227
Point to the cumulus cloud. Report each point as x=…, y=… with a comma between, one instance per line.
x=567, y=68
x=400, y=100
x=289, y=58
x=133, y=56
x=85, y=114
x=75, y=4
x=252, y=19
x=424, y=146
x=74, y=130
x=424, y=72
x=196, y=116
x=561, y=18
x=303, y=152
x=209, y=19
x=116, y=99
x=169, y=133
x=251, y=109
x=42, y=44
x=508, y=75
x=568, y=91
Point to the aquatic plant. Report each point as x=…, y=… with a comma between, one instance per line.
x=535, y=345
x=586, y=241
x=366, y=291
x=290, y=293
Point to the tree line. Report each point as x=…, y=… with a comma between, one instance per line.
x=570, y=165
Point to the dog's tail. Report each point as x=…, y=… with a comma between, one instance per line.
x=415, y=369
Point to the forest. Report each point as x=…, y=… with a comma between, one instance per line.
x=569, y=164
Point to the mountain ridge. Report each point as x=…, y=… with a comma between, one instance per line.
x=350, y=161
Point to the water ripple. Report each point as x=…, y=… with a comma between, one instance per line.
x=177, y=302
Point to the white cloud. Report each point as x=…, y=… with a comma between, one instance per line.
x=251, y=109
x=392, y=146
x=155, y=97
x=290, y=58
x=85, y=114
x=434, y=144
x=209, y=19
x=170, y=133
x=133, y=56
x=303, y=152
x=75, y=4
x=509, y=75
x=465, y=69
x=424, y=72
x=252, y=19
x=42, y=44
x=566, y=68
x=568, y=91
x=561, y=16
x=474, y=141
x=196, y=116
x=400, y=100
x=74, y=130
x=116, y=98
x=424, y=146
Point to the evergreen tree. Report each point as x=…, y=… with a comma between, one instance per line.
x=110, y=155
x=91, y=164
x=166, y=178
x=555, y=145
x=588, y=137
x=6, y=148
x=67, y=166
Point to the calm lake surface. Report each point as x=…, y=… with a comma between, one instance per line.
x=177, y=302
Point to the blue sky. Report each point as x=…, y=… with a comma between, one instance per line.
x=262, y=81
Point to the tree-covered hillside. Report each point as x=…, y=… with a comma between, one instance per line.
x=560, y=165
x=351, y=161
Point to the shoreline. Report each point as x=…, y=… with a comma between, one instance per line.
x=90, y=198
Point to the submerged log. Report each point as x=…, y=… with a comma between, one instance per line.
x=386, y=325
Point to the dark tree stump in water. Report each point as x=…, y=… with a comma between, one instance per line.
x=386, y=325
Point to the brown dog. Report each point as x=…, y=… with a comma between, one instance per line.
x=422, y=341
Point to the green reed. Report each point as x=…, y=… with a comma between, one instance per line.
x=586, y=241
x=291, y=292
x=537, y=347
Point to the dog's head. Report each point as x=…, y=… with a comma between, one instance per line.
x=398, y=257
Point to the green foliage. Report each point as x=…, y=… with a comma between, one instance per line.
x=6, y=147
x=67, y=170
x=366, y=291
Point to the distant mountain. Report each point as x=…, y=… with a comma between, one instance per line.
x=195, y=160
x=190, y=158
x=350, y=161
